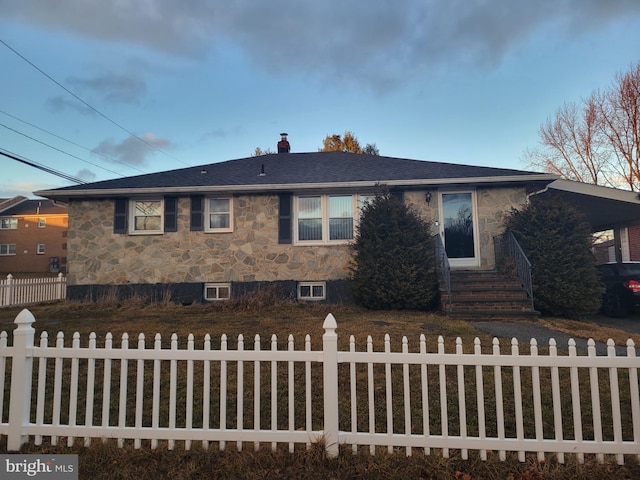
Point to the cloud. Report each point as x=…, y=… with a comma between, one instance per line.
x=114, y=88
x=131, y=150
x=86, y=175
x=60, y=103
x=377, y=43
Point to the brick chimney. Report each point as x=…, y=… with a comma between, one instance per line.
x=283, y=144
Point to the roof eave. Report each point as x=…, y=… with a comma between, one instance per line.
x=255, y=188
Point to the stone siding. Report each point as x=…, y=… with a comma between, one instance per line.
x=250, y=253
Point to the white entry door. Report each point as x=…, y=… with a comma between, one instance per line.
x=459, y=228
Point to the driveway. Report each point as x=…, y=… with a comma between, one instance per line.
x=524, y=332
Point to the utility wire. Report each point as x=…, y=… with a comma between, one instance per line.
x=59, y=150
x=39, y=166
x=90, y=106
x=69, y=141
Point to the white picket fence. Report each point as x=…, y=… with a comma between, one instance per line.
x=401, y=400
x=27, y=291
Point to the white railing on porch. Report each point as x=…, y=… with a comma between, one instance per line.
x=27, y=291
x=552, y=403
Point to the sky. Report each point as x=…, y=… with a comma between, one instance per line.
x=98, y=89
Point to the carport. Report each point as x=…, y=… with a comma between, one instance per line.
x=605, y=208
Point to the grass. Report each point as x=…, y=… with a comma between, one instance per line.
x=264, y=316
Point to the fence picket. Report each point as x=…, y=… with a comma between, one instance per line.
x=424, y=381
x=57, y=386
x=91, y=374
x=634, y=395
x=371, y=393
x=575, y=398
x=240, y=403
x=482, y=429
x=42, y=382
x=444, y=417
x=139, y=391
x=462, y=407
x=615, y=400
x=497, y=373
x=388, y=392
x=517, y=397
x=122, y=406
x=73, y=389
x=173, y=389
x=407, y=394
x=595, y=399
x=256, y=392
x=274, y=390
x=557, y=402
x=537, y=398
x=291, y=398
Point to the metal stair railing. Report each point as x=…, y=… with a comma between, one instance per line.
x=509, y=255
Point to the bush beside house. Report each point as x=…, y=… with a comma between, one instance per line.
x=557, y=240
x=393, y=265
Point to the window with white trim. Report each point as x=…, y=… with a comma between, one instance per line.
x=8, y=223
x=42, y=222
x=217, y=291
x=8, y=249
x=146, y=216
x=325, y=218
x=218, y=215
x=40, y=249
x=312, y=291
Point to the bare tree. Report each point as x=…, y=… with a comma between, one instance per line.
x=620, y=111
x=598, y=140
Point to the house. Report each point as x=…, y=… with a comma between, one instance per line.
x=220, y=230
x=33, y=236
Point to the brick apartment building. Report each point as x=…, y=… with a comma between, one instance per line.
x=625, y=246
x=33, y=236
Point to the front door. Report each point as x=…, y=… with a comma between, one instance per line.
x=458, y=228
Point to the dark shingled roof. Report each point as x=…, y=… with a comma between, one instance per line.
x=34, y=207
x=298, y=169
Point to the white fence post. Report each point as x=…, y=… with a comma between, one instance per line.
x=21, y=367
x=8, y=291
x=62, y=285
x=330, y=374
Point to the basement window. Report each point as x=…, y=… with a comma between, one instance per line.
x=217, y=291
x=311, y=291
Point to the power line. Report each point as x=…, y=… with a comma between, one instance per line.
x=59, y=150
x=39, y=166
x=68, y=141
x=90, y=106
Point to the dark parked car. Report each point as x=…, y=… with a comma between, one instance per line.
x=622, y=283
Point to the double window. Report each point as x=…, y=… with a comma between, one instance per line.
x=8, y=223
x=326, y=218
x=311, y=291
x=8, y=249
x=217, y=291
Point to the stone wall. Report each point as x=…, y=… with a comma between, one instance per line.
x=250, y=253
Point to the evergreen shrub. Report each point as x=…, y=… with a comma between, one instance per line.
x=393, y=258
